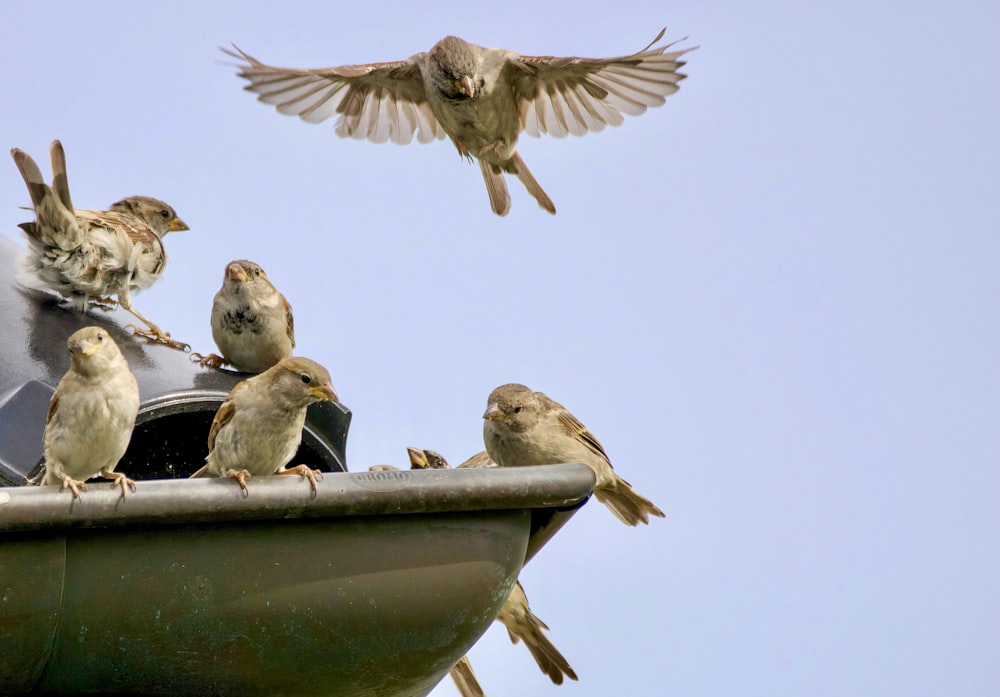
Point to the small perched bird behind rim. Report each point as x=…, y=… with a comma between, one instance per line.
x=481, y=98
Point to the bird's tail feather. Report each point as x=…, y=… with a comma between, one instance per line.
x=496, y=187
x=515, y=165
x=31, y=174
x=546, y=655
x=60, y=183
x=465, y=679
x=629, y=506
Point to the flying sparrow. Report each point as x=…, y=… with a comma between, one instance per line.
x=515, y=614
x=251, y=321
x=87, y=256
x=481, y=98
x=257, y=430
x=91, y=415
x=522, y=427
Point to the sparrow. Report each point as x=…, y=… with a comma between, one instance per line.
x=86, y=256
x=257, y=430
x=522, y=427
x=252, y=322
x=91, y=415
x=481, y=98
x=516, y=614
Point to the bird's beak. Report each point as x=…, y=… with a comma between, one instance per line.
x=493, y=413
x=324, y=392
x=418, y=459
x=236, y=273
x=87, y=349
x=465, y=86
x=177, y=225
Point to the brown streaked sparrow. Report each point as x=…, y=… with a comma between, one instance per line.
x=86, y=256
x=91, y=415
x=252, y=322
x=481, y=98
x=522, y=427
x=515, y=614
x=257, y=430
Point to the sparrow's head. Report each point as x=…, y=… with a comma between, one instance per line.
x=454, y=67
x=91, y=350
x=160, y=217
x=299, y=382
x=426, y=460
x=244, y=276
x=514, y=407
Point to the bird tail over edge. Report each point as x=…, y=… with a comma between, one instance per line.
x=465, y=679
x=629, y=506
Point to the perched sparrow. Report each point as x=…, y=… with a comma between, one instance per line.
x=86, y=256
x=251, y=321
x=481, y=98
x=91, y=414
x=515, y=614
x=257, y=430
x=528, y=428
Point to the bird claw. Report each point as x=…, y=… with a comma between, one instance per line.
x=74, y=486
x=241, y=478
x=210, y=361
x=491, y=147
x=120, y=480
x=157, y=336
x=305, y=472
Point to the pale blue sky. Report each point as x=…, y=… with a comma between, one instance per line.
x=775, y=299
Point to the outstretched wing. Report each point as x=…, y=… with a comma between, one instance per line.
x=376, y=102
x=574, y=96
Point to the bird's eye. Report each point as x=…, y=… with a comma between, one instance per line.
x=256, y=271
x=165, y=214
x=100, y=337
x=517, y=410
x=306, y=379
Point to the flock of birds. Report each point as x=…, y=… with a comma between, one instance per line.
x=482, y=99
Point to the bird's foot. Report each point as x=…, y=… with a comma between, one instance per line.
x=307, y=473
x=463, y=150
x=241, y=477
x=121, y=481
x=157, y=336
x=212, y=360
x=492, y=147
x=74, y=486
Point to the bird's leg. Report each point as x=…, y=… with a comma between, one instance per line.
x=154, y=333
x=241, y=478
x=212, y=360
x=306, y=472
x=120, y=480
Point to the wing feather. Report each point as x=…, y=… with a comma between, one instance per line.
x=574, y=96
x=377, y=102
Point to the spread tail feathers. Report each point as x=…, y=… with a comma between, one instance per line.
x=630, y=507
x=515, y=165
